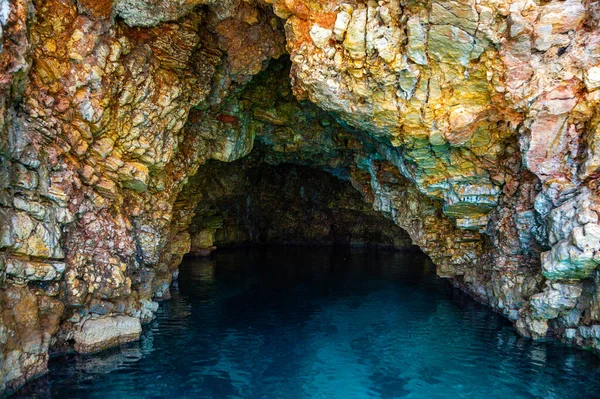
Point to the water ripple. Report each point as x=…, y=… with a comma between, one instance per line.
x=305, y=323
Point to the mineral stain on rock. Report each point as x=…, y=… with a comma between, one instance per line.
x=468, y=127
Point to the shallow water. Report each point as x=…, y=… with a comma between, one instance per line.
x=322, y=323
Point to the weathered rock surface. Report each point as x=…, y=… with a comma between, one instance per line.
x=92, y=156
x=473, y=126
x=98, y=334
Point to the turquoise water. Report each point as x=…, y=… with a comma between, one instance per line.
x=322, y=323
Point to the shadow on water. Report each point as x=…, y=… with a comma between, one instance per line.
x=298, y=322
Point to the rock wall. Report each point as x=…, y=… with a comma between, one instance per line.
x=93, y=154
x=470, y=125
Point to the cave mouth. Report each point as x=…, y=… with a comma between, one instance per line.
x=251, y=203
x=334, y=322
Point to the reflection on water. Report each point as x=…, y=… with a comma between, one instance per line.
x=322, y=323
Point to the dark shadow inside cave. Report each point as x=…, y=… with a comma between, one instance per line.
x=250, y=202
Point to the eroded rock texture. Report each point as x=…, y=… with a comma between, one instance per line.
x=469, y=125
x=92, y=161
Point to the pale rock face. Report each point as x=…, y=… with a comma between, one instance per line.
x=535, y=328
x=575, y=235
x=342, y=21
x=354, y=41
x=28, y=236
x=417, y=40
x=34, y=271
x=98, y=334
x=320, y=36
x=558, y=298
x=592, y=78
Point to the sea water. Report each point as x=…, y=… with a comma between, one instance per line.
x=301, y=322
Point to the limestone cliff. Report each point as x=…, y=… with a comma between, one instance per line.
x=469, y=125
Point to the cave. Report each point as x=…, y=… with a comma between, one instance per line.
x=247, y=203
x=433, y=151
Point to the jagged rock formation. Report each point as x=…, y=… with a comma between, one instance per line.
x=470, y=125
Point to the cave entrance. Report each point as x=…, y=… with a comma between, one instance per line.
x=250, y=202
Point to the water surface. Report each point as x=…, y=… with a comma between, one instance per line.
x=322, y=323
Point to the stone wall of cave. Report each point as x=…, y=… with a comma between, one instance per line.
x=471, y=126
